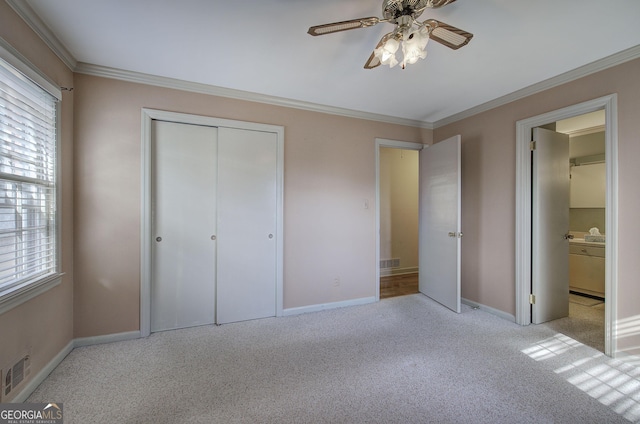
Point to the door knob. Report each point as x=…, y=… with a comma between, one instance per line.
x=158, y=239
x=213, y=237
x=270, y=236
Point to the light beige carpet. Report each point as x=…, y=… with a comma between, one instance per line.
x=402, y=360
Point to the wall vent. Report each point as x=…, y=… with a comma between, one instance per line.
x=14, y=375
x=389, y=263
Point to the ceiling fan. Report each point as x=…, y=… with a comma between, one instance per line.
x=409, y=33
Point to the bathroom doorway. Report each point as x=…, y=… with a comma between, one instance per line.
x=587, y=229
x=525, y=298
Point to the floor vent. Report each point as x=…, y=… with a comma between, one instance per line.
x=389, y=263
x=14, y=375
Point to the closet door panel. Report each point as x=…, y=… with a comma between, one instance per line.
x=183, y=221
x=247, y=212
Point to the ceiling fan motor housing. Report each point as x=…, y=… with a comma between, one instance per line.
x=393, y=9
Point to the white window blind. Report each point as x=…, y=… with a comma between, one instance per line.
x=28, y=245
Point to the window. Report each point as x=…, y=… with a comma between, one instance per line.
x=28, y=239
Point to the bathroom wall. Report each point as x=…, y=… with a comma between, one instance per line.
x=582, y=219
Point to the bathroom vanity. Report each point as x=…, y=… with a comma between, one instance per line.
x=586, y=267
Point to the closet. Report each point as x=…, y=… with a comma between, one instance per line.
x=213, y=224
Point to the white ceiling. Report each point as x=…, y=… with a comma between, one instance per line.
x=262, y=46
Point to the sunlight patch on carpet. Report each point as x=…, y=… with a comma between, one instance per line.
x=615, y=383
x=551, y=347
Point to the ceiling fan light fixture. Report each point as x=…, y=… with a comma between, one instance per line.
x=386, y=53
x=409, y=33
x=414, y=43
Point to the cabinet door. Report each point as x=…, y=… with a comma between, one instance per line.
x=586, y=270
x=588, y=183
x=247, y=212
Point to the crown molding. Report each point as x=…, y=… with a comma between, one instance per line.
x=23, y=9
x=591, y=68
x=177, y=84
x=32, y=19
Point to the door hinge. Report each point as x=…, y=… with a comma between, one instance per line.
x=532, y=299
x=532, y=145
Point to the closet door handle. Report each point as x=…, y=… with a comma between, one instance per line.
x=270, y=236
x=213, y=237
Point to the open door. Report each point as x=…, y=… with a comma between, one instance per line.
x=550, y=226
x=440, y=223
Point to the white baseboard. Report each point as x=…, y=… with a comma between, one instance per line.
x=385, y=272
x=44, y=373
x=629, y=358
x=327, y=306
x=488, y=309
x=85, y=341
x=108, y=338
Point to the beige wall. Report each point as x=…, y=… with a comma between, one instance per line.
x=44, y=324
x=399, y=207
x=488, y=186
x=329, y=172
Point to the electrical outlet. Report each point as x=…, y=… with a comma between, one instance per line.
x=336, y=282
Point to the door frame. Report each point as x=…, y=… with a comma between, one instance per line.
x=394, y=144
x=523, y=208
x=147, y=116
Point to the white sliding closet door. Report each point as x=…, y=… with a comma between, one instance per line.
x=247, y=218
x=183, y=221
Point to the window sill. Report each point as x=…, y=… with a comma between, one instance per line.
x=18, y=295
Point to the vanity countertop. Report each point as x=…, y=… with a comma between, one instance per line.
x=580, y=241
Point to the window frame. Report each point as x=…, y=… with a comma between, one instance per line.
x=26, y=290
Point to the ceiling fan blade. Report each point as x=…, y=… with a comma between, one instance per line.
x=373, y=61
x=343, y=26
x=448, y=35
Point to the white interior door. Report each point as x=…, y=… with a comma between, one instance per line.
x=183, y=221
x=440, y=222
x=247, y=217
x=550, y=224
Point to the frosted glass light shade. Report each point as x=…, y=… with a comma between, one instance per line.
x=413, y=45
x=386, y=53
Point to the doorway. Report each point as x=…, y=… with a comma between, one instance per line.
x=577, y=264
x=234, y=140
x=396, y=274
x=439, y=220
x=399, y=201
x=524, y=209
